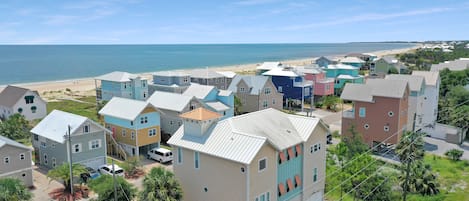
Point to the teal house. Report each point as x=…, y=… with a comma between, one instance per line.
x=121, y=84
x=220, y=101
x=342, y=74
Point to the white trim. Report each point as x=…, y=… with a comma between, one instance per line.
x=16, y=171
x=259, y=164
x=247, y=182
x=179, y=150
x=80, y=147
x=24, y=156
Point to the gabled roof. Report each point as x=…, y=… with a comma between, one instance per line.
x=7, y=141
x=224, y=93
x=228, y=74
x=217, y=105
x=390, y=59
x=169, y=101
x=123, y=108
x=205, y=74
x=329, y=58
x=55, y=125
x=309, y=69
x=284, y=72
x=415, y=81
x=455, y=65
x=171, y=73
x=255, y=83
x=12, y=94
x=197, y=90
x=374, y=87
x=240, y=138
x=352, y=60
x=431, y=77
x=341, y=66
x=357, y=92
x=200, y=114
x=349, y=77
x=117, y=76
x=269, y=65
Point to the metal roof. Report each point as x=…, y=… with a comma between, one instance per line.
x=374, y=87
x=217, y=105
x=117, y=76
x=169, y=101
x=357, y=92
x=352, y=60
x=224, y=92
x=431, y=77
x=455, y=65
x=255, y=83
x=285, y=72
x=349, y=77
x=309, y=69
x=205, y=74
x=171, y=73
x=7, y=141
x=228, y=74
x=123, y=108
x=11, y=95
x=55, y=125
x=199, y=91
x=269, y=66
x=415, y=81
x=341, y=66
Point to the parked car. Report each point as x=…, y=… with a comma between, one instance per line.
x=161, y=155
x=107, y=169
x=90, y=174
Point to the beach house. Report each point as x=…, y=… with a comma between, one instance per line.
x=322, y=86
x=292, y=84
x=59, y=130
x=170, y=81
x=386, y=65
x=455, y=65
x=352, y=61
x=121, y=84
x=263, y=155
x=342, y=74
x=379, y=110
x=417, y=92
x=209, y=77
x=221, y=101
x=16, y=161
x=256, y=93
x=26, y=102
x=266, y=66
x=324, y=61
x=134, y=124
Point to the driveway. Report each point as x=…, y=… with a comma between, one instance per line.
x=440, y=147
x=147, y=166
x=333, y=119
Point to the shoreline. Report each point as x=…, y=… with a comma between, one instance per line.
x=86, y=85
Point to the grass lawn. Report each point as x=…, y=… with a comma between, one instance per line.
x=87, y=109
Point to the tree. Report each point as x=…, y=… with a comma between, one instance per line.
x=354, y=143
x=393, y=70
x=330, y=102
x=454, y=154
x=16, y=127
x=13, y=190
x=410, y=151
x=104, y=187
x=238, y=105
x=132, y=167
x=161, y=184
x=62, y=173
x=424, y=181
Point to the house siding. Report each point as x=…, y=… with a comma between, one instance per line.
x=16, y=168
x=27, y=111
x=314, y=160
x=266, y=180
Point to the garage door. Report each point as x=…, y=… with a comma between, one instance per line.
x=94, y=163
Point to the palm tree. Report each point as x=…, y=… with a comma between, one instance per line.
x=13, y=190
x=62, y=173
x=410, y=151
x=237, y=105
x=161, y=184
x=104, y=187
x=424, y=181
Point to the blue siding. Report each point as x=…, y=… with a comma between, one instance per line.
x=153, y=120
x=229, y=101
x=118, y=122
x=288, y=170
x=212, y=96
x=288, y=89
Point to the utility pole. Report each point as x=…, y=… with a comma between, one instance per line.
x=71, y=163
x=114, y=181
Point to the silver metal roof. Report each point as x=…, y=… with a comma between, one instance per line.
x=199, y=91
x=117, y=76
x=374, y=87
x=269, y=65
x=169, y=101
x=7, y=141
x=171, y=73
x=123, y=108
x=455, y=65
x=217, y=105
x=55, y=125
x=205, y=74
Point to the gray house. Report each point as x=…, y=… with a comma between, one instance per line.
x=170, y=81
x=256, y=93
x=51, y=144
x=16, y=161
x=208, y=77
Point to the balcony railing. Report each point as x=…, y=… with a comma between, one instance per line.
x=99, y=93
x=348, y=114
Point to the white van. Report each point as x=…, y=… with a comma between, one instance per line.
x=161, y=155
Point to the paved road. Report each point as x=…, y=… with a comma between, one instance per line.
x=440, y=147
x=333, y=119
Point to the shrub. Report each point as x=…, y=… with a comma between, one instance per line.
x=454, y=154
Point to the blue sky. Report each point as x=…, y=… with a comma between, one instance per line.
x=237, y=21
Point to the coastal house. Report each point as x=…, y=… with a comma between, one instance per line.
x=135, y=124
x=28, y=103
x=352, y=61
x=385, y=65
x=16, y=161
x=416, y=96
x=263, y=155
x=266, y=66
x=322, y=86
x=292, y=84
x=172, y=105
x=121, y=84
x=229, y=76
x=379, y=110
x=170, y=81
x=256, y=93
x=342, y=74
x=209, y=77
x=221, y=101
x=366, y=57
x=52, y=144
x=324, y=61
x=455, y=65
x=430, y=96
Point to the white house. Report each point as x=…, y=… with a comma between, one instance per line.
x=431, y=96
x=24, y=101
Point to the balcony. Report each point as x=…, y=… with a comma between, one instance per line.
x=99, y=94
x=350, y=114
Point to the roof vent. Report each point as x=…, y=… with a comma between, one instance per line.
x=288, y=131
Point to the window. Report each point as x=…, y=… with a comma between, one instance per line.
x=390, y=113
x=132, y=135
x=131, y=123
x=366, y=126
x=36, y=137
x=264, y=104
x=386, y=128
x=143, y=85
x=124, y=132
x=185, y=80
x=143, y=120
x=315, y=174
x=263, y=197
x=95, y=144
x=33, y=109
x=22, y=156
x=306, y=92
x=6, y=160
x=54, y=162
x=43, y=145
x=273, y=101
x=362, y=112
x=29, y=99
x=20, y=110
x=241, y=89
x=267, y=90
x=45, y=159
x=262, y=164
x=86, y=129
x=144, y=94
x=76, y=148
x=151, y=132
x=196, y=160
x=279, y=89
x=179, y=155
x=328, y=87
x=315, y=147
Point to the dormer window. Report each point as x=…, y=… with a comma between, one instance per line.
x=29, y=99
x=86, y=129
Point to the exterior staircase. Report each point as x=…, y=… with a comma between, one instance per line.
x=115, y=149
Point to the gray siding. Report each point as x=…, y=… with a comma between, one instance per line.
x=16, y=167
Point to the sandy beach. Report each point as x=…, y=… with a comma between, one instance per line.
x=85, y=86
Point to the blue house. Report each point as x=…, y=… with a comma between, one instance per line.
x=343, y=74
x=220, y=101
x=170, y=81
x=291, y=83
x=121, y=84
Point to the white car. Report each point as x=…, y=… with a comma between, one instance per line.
x=107, y=169
x=161, y=155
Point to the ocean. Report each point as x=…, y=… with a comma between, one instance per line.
x=37, y=63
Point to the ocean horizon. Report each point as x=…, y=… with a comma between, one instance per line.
x=42, y=63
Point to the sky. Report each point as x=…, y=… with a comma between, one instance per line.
x=236, y=21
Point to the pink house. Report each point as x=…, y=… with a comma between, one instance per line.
x=322, y=86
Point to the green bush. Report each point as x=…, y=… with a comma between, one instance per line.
x=454, y=154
